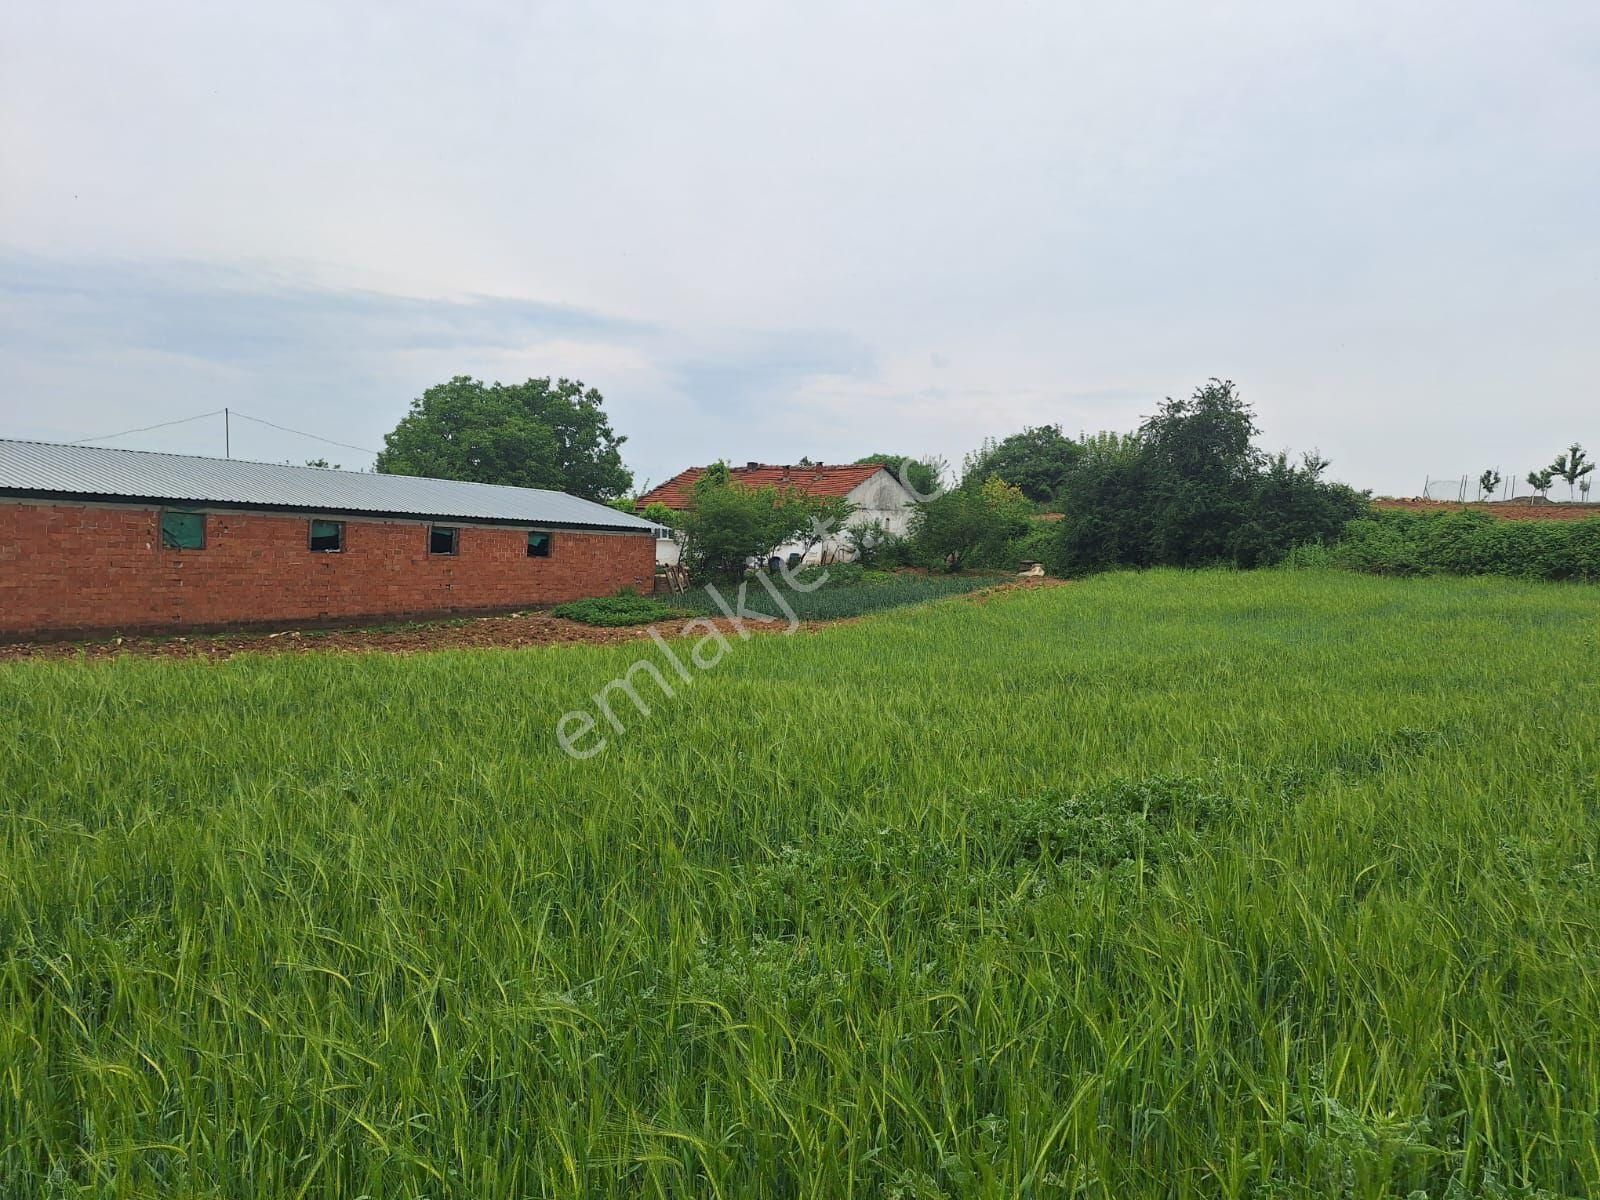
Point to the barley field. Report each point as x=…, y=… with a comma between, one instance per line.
x=1267, y=885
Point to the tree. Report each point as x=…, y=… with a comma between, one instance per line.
x=969, y=525
x=660, y=514
x=1035, y=461
x=1191, y=489
x=1572, y=466
x=1540, y=481
x=1107, y=511
x=535, y=434
x=1290, y=506
x=1200, y=465
x=1487, y=482
x=924, y=476
x=727, y=523
x=1107, y=447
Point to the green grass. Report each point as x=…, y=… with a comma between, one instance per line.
x=1274, y=885
x=847, y=592
x=623, y=609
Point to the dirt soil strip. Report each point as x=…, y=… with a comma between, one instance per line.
x=1505, y=510
x=516, y=631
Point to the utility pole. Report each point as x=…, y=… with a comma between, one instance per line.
x=227, y=435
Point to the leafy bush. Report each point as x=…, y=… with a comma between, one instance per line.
x=728, y=524
x=622, y=609
x=969, y=526
x=874, y=546
x=1393, y=542
x=1038, y=544
x=1291, y=506
x=661, y=514
x=1191, y=489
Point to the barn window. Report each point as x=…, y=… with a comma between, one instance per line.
x=538, y=545
x=327, y=537
x=183, y=530
x=442, y=539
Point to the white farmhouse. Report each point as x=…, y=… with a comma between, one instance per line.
x=873, y=489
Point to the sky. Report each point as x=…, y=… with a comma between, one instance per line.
x=826, y=230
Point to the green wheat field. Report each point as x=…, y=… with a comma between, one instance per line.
x=1270, y=885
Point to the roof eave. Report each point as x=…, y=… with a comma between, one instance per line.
x=352, y=513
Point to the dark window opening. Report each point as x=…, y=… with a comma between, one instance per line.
x=327, y=537
x=183, y=530
x=538, y=545
x=442, y=539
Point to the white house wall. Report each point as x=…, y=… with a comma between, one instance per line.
x=881, y=498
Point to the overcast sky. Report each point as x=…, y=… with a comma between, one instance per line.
x=811, y=229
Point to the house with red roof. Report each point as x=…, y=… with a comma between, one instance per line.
x=874, y=491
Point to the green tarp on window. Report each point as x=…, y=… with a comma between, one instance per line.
x=183, y=530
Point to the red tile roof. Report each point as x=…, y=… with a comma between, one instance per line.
x=677, y=492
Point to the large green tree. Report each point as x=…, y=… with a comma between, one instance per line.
x=1200, y=466
x=535, y=434
x=1192, y=489
x=1036, y=461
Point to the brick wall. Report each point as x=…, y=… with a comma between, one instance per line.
x=78, y=569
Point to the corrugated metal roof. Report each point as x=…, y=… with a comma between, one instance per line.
x=45, y=468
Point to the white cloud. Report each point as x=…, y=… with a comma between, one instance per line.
x=857, y=227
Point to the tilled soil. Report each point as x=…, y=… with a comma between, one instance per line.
x=514, y=631
x=1505, y=510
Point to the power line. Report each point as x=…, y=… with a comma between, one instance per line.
x=302, y=433
x=217, y=413
x=146, y=428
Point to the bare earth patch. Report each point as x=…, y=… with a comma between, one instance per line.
x=1505, y=510
x=514, y=631
x=510, y=632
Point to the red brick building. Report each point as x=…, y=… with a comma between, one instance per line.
x=97, y=541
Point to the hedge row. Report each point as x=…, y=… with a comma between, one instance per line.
x=1390, y=542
